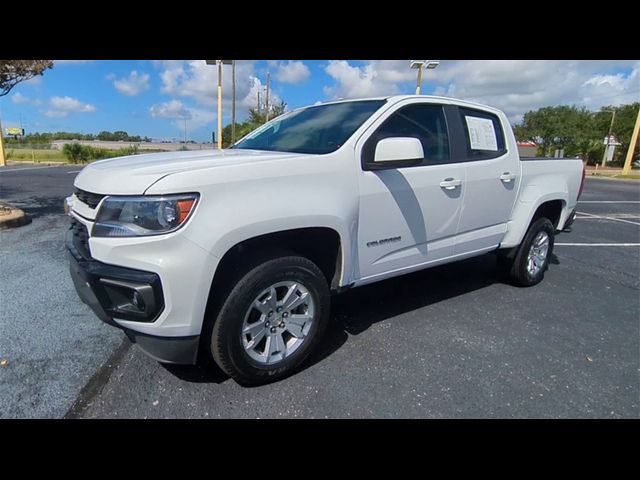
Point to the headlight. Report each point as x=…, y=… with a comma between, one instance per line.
x=143, y=216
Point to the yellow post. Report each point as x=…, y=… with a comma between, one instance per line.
x=3, y=162
x=626, y=170
x=219, y=104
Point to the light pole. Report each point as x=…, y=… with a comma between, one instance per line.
x=606, y=149
x=219, y=63
x=626, y=170
x=428, y=64
x=3, y=162
x=233, y=102
x=267, y=107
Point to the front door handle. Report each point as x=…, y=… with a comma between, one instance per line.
x=450, y=183
x=506, y=177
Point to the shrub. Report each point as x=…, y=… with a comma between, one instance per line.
x=75, y=152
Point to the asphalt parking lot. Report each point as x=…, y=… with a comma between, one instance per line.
x=450, y=342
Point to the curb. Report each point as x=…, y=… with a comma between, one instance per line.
x=613, y=178
x=12, y=217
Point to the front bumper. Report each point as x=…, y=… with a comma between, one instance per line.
x=126, y=294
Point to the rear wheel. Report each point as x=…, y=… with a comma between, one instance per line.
x=271, y=321
x=526, y=268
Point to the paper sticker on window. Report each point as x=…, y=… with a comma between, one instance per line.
x=482, y=135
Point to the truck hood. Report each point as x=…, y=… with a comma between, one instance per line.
x=134, y=174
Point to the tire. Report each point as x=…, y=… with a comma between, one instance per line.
x=279, y=352
x=517, y=268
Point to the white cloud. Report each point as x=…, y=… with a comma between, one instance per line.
x=172, y=109
x=197, y=80
x=62, y=106
x=133, y=84
x=292, y=72
x=515, y=86
x=177, y=111
x=20, y=99
x=368, y=80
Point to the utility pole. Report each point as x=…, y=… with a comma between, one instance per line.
x=3, y=162
x=258, y=102
x=606, y=149
x=626, y=170
x=268, y=82
x=233, y=102
x=419, y=81
x=185, y=130
x=219, y=104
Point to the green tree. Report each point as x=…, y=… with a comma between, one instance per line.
x=577, y=130
x=260, y=117
x=254, y=121
x=561, y=127
x=13, y=72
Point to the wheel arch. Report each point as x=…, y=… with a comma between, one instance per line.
x=552, y=206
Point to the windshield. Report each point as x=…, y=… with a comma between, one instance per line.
x=318, y=129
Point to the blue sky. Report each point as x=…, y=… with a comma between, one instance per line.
x=154, y=98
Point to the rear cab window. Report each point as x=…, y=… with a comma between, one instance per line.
x=484, y=137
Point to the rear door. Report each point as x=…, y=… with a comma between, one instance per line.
x=492, y=177
x=406, y=217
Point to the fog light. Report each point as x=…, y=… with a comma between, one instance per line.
x=137, y=301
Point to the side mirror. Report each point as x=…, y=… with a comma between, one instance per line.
x=397, y=152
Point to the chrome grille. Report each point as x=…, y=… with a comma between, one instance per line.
x=88, y=198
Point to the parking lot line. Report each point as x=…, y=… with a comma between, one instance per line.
x=609, y=201
x=598, y=244
x=28, y=168
x=609, y=218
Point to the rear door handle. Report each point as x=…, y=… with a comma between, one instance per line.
x=506, y=177
x=450, y=183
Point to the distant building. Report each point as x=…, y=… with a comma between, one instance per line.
x=527, y=149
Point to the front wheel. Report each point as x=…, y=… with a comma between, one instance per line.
x=531, y=260
x=271, y=321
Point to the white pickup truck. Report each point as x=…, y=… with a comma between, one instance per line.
x=232, y=255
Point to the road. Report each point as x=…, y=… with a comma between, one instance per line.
x=51, y=341
x=450, y=342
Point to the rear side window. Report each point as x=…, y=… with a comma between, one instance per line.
x=422, y=121
x=483, y=134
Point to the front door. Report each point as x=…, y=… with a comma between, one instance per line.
x=408, y=216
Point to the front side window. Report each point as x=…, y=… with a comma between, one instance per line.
x=422, y=121
x=319, y=129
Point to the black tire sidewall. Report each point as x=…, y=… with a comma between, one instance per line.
x=226, y=340
x=522, y=274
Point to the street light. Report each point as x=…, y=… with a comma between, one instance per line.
x=219, y=63
x=428, y=64
x=606, y=149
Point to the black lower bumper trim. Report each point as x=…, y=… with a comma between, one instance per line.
x=570, y=219
x=178, y=350
x=113, y=291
